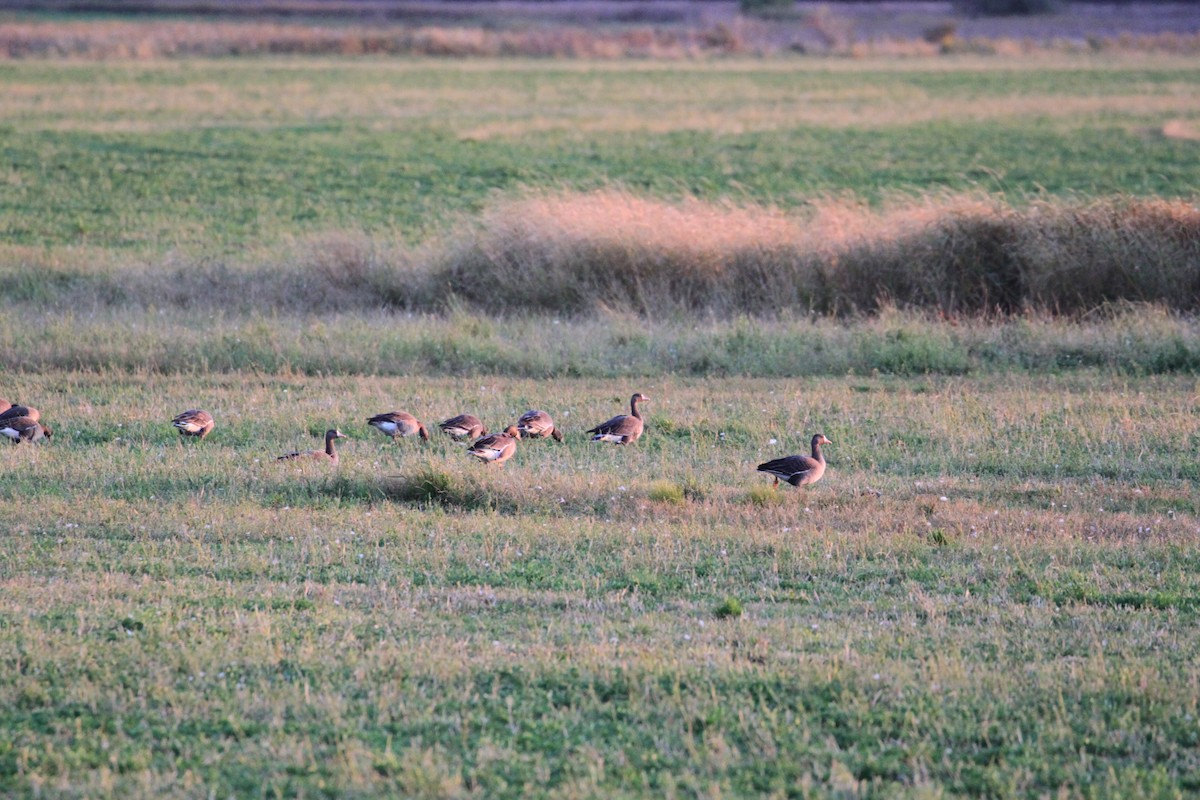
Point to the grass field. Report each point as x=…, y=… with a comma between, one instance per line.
x=994, y=591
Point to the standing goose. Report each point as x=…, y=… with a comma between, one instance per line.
x=328, y=454
x=496, y=448
x=24, y=429
x=398, y=424
x=194, y=422
x=798, y=470
x=538, y=425
x=12, y=412
x=623, y=428
x=464, y=426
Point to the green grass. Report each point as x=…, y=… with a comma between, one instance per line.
x=1132, y=341
x=992, y=591
x=217, y=156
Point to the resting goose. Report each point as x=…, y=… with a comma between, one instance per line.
x=398, y=424
x=496, y=448
x=464, y=426
x=623, y=428
x=328, y=454
x=798, y=470
x=12, y=412
x=24, y=429
x=194, y=422
x=538, y=425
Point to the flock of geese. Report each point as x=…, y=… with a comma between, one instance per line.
x=22, y=423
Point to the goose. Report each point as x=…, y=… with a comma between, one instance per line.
x=328, y=454
x=538, y=425
x=496, y=448
x=4, y=405
x=12, y=412
x=623, y=428
x=24, y=429
x=798, y=470
x=398, y=424
x=194, y=422
x=464, y=426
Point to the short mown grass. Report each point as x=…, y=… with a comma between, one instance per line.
x=993, y=575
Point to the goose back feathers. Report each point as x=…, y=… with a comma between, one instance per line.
x=496, y=448
x=328, y=454
x=12, y=412
x=194, y=422
x=623, y=428
x=464, y=426
x=400, y=424
x=24, y=429
x=799, y=470
x=538, y=425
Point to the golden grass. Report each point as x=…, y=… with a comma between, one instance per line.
x=958, y=254
x=616, y=251
x=821, y=33
x=252, y=94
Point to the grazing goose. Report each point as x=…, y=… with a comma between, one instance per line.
x=194, y=422
x=328, y=454
x=24, y=429
x=398, y=424
x=496, y=448
x=12, y=412
x=623, y=428
x=798, y=470
x=538, y=425
x=464, y=426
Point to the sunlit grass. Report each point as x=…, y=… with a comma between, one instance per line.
x=992, y=592
x=609, y=619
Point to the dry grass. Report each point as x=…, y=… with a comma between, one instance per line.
x=819, y=30
x=953, y=255
x=613, y=251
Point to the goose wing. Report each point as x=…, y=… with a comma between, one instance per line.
x=793, y=469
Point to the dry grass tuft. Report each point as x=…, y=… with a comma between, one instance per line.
x=951, y=255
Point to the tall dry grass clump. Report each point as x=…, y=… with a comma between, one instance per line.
x=951, y=255
x=611, y=249
x=145, y=39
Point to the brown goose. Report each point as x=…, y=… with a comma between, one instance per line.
x=24, y=429
x=398, y=424
x=12, y=412
x=464, y=426
x=496, y=448
x=798, y=470
x=194, y=422
x=538, y=425
x=623, y=428
x=328, y=454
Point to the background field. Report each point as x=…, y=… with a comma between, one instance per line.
x=993, y=592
